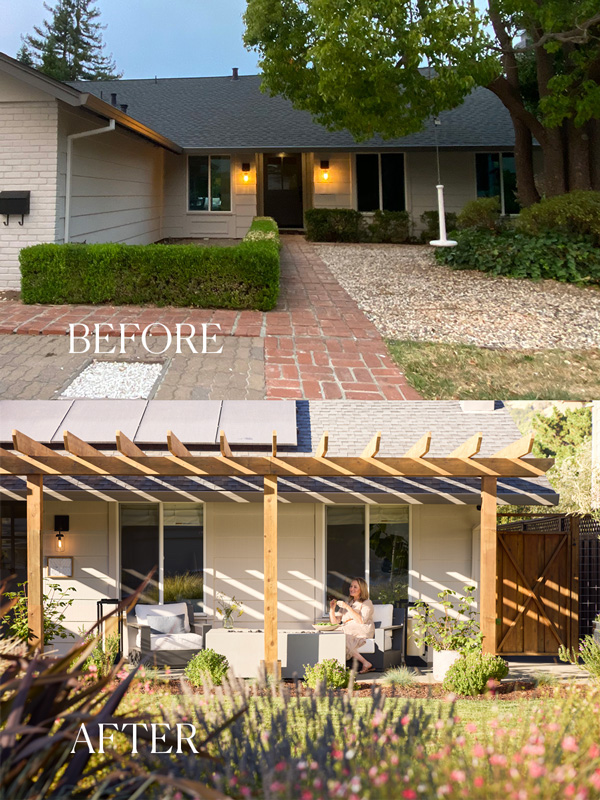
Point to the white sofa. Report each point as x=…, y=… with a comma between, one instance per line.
x=387, y=648
x=163, y=635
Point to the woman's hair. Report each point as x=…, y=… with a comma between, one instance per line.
x=364, y=589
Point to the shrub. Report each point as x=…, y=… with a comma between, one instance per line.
x=549, y=256
x=589, y=653
x=471, y=673
x=457, y=629
x=399, y=676
x=245, y=276
x=56, y=603
x=206, y=665
x=482, y=214
x=391, y=227
x=330, y=672
x=104, y=655
x=574, y=214
x=431, y=220
x=334, y=225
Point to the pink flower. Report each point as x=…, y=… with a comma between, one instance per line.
x=246, y=791
x=458, y=776
x=409, y=794
x=478, y=782
x=306, y=795
x=405, y=719
x=470, y=727
x=569, y=790
x=569, y=743
x=594, y=751
x=478, y=751
x=372, y=772
x=338, y=754
x=92, y=668
x=536, y=770
x=497, y=759
x=280, y=767
x=595, y=779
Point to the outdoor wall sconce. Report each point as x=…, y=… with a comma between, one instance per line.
x=325, y=169
x=14, y=203
x=61, y=526
x=245, y=172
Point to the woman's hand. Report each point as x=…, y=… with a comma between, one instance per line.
x=332, y=604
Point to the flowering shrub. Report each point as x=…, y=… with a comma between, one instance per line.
x=330, y=746
x=206, y=665
x=471, y=673
x=329, y=671
x=589, y=653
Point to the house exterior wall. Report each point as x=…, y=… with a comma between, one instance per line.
x=28, y=158
x=92, y=541
x=116, y=184
x=458, y=177
x=337, y=192
x=178, y=222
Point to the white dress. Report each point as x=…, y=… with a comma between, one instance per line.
x=357, y=633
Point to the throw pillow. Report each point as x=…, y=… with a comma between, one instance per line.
x=166, y=623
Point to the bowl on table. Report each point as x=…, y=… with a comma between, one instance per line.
x=326, y=626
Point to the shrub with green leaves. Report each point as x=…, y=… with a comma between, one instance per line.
x=245, y=276
x=553, y=256
x=329, y=672
x=399, y=676
x=103, y=657
x=390, y=227
x=589, y=653
x=471, y=673
x=574, y=214
x=482, y=214
x=431, y=221
x=334, y=225
x=56, y=601
x=206, y=665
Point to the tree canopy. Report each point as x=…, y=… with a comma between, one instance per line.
x=69, y=46
x=386, y=66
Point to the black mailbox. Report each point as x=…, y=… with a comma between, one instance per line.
x=14, y=203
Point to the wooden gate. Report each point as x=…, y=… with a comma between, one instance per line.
x=538, y=578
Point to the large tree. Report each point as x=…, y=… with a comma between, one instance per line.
x=358, y=64
x=69, y=46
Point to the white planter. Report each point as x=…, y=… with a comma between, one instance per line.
x=442, y=661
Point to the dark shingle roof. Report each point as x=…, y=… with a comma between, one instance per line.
x=235, y=114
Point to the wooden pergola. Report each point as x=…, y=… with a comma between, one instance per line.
x=35, y=461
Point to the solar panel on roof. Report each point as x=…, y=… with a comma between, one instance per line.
x=252, y=422
x=97, y=421
x=39, y=419
x=192, y=421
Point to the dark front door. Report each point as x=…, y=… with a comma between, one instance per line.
x=282, y=181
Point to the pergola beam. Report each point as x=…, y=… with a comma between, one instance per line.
x=272, y=663
x=488, y=568
x=35, y=559
x=469, y=448
x=420, y=448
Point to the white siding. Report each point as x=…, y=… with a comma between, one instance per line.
x=116, y=184
x=181, y=223
x=458, y=177
x=234, y=561
x=28, y=147
x=336, y=192
x=92, y=543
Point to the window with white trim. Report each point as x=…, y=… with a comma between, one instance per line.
x=209, y=183
x=368, y=542
x=380, y=182
x=497, y=177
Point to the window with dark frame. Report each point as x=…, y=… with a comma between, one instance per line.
x=209, y=183
x=496, y=176
x=380, y=182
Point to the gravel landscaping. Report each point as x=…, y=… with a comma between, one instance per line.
x=408, y=296
x=118, y=380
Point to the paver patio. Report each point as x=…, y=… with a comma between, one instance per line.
x=318, y=344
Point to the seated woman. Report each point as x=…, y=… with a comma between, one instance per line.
x=357, y=620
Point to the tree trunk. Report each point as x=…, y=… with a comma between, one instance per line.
x=595, y=154
x=578, y=141
x=555, y=180
x=527, y=192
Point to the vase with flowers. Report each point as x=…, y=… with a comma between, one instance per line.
x=228, y=608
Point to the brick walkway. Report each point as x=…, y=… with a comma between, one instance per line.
x=318, y=343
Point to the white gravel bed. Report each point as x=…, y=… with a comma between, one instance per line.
x=408, y=296
x=119, y=380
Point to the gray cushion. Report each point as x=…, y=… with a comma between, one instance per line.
x=160, y=623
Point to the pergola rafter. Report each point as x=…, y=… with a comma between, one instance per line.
x=34, y=460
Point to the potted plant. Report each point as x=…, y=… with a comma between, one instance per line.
x=450, y=634
x=227, y=609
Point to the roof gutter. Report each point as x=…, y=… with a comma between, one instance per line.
x=95, y=132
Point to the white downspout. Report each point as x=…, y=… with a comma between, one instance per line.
x=70, y=137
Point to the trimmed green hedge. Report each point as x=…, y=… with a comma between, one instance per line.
x=517, y=255
x=348, y=225
x=245, y=276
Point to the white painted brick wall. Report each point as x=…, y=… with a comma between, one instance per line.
x=28, y=161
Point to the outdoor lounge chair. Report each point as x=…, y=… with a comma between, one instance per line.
x=387, y=648
x=163, y=635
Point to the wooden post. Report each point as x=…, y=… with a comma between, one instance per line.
x=574, y=580
x=35, y=560
x=270, y=571
x=488, y=590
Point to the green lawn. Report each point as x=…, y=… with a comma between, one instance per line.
x=452, y=371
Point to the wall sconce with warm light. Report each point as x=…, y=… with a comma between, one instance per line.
x=245, y=172
x=61, y=526
x=325, y=169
